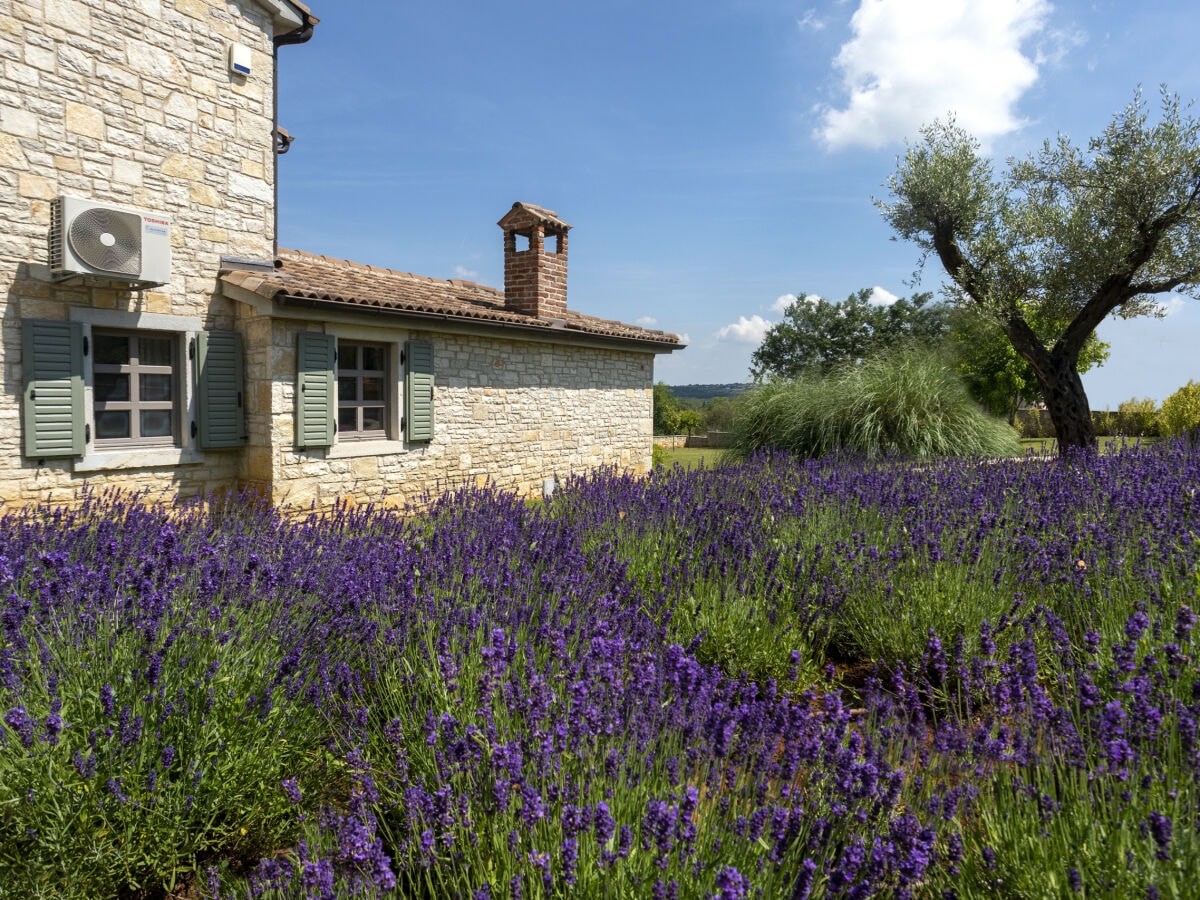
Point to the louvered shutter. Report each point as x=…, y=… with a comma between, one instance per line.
x=53, y=398
x=220, y=375
x=418, y=390
x=316, y=356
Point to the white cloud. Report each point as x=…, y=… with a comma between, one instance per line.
x=782, y=302
x=646, y=321
x=1056, y=44
x=810, y=21
x=745, y=331
x=1171, y=306
x=465, y=273
x=911, y=61
x=882, y=297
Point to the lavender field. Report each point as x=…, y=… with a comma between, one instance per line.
x=775, y=679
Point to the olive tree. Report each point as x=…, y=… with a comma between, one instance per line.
x=1066, y=237
x=996, y=375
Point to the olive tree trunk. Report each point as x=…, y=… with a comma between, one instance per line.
x=1057, y=373
x=1067, y=403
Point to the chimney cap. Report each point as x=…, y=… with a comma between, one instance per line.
x=524, y=215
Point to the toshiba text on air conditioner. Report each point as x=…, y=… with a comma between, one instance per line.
x=125, y=245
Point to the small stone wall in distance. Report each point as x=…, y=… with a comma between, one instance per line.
x=714, y=439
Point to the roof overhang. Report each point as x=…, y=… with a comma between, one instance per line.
x=287, y=15
x=287, y=306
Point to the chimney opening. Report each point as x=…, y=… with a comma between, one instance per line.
x=524, y=241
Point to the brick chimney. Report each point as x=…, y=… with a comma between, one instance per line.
x=535, y=261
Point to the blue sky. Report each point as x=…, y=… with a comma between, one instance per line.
x=713, y=156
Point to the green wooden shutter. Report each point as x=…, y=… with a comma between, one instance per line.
x=53, y=399
x=418, y=390
x=220, y=374
x=316, y=356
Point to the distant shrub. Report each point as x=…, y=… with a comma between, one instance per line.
x=1133, y=418
x=1181, y=411
x=910, y=402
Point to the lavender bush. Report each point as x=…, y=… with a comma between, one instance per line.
x=780, y=678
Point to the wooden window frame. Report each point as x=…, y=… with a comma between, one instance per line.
x=349, y=365
x=134, y=368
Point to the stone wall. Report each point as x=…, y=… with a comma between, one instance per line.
x=128, y=102
x=507, y=413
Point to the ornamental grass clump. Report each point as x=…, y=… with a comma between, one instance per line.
x=902, y=403
x=809, y=678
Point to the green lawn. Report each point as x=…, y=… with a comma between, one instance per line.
x=693, y=457
x=1107, y=444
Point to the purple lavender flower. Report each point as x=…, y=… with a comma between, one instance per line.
x=17, y=719
x=1074, y=881
x=84, y=765
x=291, y=789
x=107, y=700
x=604, y=824
x=731, y=885
x=116, y=788
x=1161, y=829
x=570, y=858
x=802, y=889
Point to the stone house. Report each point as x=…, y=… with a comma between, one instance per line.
x=154, y=337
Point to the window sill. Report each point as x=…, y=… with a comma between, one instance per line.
x=138, y=459
x=351, y=449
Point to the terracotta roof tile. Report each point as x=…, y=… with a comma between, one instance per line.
x=306, y=278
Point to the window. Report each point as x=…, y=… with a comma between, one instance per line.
x=362, y=387
x=117, y=390
x=135, y=395
x=358, y=398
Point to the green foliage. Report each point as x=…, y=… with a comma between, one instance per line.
x=818, y=334
x=658, y=456
x=996, y=375
x=1181, y=411
x=1137, y=418
x=1062, y=239
x=215, y=797
x=894, y=623
x=671, y=416
x=909, y=402
x=747, y=636
x=719, y=414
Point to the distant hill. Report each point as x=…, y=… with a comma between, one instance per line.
x=707, y=391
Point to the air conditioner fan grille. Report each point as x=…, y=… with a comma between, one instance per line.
x=109, y=240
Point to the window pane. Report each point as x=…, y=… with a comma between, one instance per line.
x=154, y=387
x=155, y=422
x=372, y=418
x=111, y=387
x=347, y=356
x=111, y=349
x=154, y=351
x=347, y=419
x=372, y=358
x=112, y=423
x=347, y=387
x=372, y=389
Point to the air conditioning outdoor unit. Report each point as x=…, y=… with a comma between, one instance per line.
x=125, y=245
